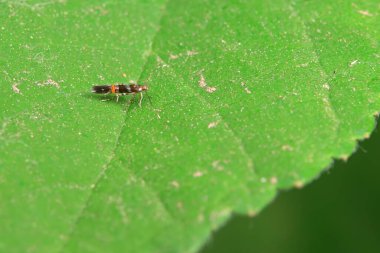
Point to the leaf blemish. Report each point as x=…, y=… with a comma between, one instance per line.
x=175, y=184
x=365, y=13
x=302, y=65
x=197, y=174
x=15, y=88
x=179, y=205
x=353, y=63
x=210, y=89
x=326, y=86
x=191, y=53
x=161, y=62
x=188, y=53
x=217, y=166
x=248, y=91
x=157, y=111
x=287, y=148
x=298, y=184
x=49, y=82
x=202, y=83
x=213, y=124
x=173, y=56
x=201, y=218
x=273, y=180
x=252, y=213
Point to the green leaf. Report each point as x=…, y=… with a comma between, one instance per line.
x=248, y=97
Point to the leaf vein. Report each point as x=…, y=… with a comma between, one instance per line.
x=107, y=165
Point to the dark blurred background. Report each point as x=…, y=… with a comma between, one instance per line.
x=339, y=212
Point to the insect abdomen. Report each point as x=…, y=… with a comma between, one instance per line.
x=101, y=89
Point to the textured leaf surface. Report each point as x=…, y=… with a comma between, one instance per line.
x=248, y=97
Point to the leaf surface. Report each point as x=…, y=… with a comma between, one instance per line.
x=247, y=97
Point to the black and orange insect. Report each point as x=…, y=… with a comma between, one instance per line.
x=121, y=90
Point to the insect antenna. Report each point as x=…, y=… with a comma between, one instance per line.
x=150, y=101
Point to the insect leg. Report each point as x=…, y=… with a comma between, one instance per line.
x=131, y=100
x=141, y=97
x=150, y=101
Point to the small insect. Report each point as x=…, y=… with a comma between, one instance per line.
x=121, y=90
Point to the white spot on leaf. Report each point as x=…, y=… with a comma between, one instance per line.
x=15, y=88
x=273, y=180
x=353, y=63
x=217, y=166
x=175, y=184
x=298, y=184
x=210, y=89
x=48, y=83
x=191, y=52
x=202, y=83
x=365, y=13
x=287, y=148
x=252, y=213
x=201, y=218
x=197, y=174
x=213, y=124
x=173, y=56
